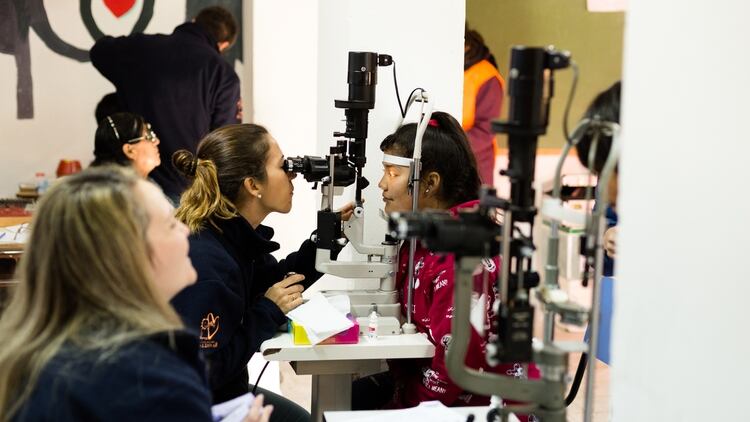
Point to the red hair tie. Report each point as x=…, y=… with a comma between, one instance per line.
x=433, y=123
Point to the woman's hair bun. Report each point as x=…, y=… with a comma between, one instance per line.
x=185, y=162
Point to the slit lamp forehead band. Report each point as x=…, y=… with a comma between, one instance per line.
x=395, y=160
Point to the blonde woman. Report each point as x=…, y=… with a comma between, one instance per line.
x=89, y=334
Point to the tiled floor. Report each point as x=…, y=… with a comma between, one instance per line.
x=295, y=387
x=601, y=386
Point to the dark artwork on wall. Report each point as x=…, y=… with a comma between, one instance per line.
x=118, y=8
x=17, y=17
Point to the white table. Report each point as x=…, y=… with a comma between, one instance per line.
x=479, y=412
x=332, y=365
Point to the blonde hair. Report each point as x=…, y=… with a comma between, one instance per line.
x=85, y=280
x=225, y=158
x=203, y=200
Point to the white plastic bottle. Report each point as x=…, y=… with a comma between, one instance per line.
x=41, y=182
x=372, y=324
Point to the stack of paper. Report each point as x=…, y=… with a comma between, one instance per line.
x=234, y=410
x=321, y=317
x=14, y=234
x=432, y=411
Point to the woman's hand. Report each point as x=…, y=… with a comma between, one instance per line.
x=287, y=294
x=258, y=412
x=610, y=241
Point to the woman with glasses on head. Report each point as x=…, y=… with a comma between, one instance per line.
x=89, y=333
x=126, y=139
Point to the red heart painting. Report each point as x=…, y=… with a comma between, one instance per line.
x=119, y=7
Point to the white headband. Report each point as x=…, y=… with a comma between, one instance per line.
x=395, y=160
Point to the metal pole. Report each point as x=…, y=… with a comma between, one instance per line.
x=426, y=113
x=331, y=169
x=507, y=234
x=602, y=199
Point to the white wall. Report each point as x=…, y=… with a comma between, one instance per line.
x=679, y=351
x=424, y=37
x=300, y=69
x=65, y=93
x=285, y=90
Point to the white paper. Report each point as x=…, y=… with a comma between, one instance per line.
x=320, y=318
x=607, y=5
x=341, y=303
x=432, y=411
x=14, y=234
x=234, y=410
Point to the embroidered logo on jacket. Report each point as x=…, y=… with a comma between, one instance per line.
x=439, y=282
x=419, y=266
x=209, y=328
x=517, y=372
x=489, y=264
x=445, y=341
x=431, y=380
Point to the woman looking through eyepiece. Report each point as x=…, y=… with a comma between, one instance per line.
x=243, y=292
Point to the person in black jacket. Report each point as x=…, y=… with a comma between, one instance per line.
x=242, y=293
x=90, y=334
x=179, y=82
x=605, y=107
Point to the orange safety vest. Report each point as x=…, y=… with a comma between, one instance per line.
x=474, y=77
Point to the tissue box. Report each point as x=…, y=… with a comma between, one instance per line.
x=350, y=336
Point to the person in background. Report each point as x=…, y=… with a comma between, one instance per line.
x=179, y=82
x=243, y=293
x=483, y=99
x=127, y=140
x=605, y=107
x=449, y=182
x=107, y=106
x=89, y=333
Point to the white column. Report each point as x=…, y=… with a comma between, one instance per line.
x=679, y=351
x=285, y=72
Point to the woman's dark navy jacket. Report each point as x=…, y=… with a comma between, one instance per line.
x=159, y=378
x=227, y=305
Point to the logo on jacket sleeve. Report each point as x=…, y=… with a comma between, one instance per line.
x=445, y=341
x=489, y=264
x=419, y=266
x=209, y=328
x=431, y=380
x=517, y=372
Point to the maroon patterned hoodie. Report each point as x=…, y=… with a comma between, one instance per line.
x=419, y=380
